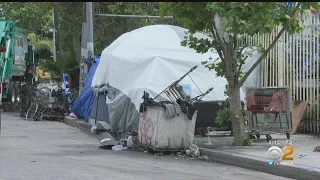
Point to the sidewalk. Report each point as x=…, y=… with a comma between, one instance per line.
x=306, y=164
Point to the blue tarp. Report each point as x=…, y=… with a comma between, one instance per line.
x=82, y=106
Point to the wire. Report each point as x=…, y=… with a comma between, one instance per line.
x=195, y=84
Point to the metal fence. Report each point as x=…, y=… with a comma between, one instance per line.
x=293, y=62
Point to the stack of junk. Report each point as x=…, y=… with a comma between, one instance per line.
x=147, y=85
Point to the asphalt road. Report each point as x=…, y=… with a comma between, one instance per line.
x=52, y=150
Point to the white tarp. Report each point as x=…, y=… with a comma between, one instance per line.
x=150, y=59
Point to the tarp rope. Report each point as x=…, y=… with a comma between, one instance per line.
x=195, y=84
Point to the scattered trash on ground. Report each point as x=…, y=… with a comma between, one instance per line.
x=123, y=142
x=193, y=151
x=94, y=129
x=129, y=142
x=159, y=154
x=107, y=140
x=73, y=115
x=302, y=155
x=118, y=148
x=317, y=149
x=204, y=158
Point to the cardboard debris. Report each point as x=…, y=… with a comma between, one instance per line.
x=298, y=109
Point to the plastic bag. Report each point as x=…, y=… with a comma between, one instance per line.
x=117, y=148
x=129, y=142
x=195, y=152
x=187, y=89
x=94, y=129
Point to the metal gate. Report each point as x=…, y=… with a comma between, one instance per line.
x=294, y=62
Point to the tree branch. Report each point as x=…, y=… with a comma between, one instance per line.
x=215, y=32
x=240, y=53
x=240, y=66
x=218, y=47
x=221, y=49
x=264, y=54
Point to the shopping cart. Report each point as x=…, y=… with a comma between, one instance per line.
x=175, y=94
x=267, y=101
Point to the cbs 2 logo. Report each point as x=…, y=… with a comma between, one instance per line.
x=275, y=153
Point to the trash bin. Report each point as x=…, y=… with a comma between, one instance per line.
x=158, y=132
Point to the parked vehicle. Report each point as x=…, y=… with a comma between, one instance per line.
x=16, y=61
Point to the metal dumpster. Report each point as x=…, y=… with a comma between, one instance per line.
x=158, y=132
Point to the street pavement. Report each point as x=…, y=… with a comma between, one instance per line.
x=46, y=150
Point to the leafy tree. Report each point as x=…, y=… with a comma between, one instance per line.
x=68, y=20
x=36, y=19
x=226, y=23
x=107, y=29
x=42, y=46
x=40, y=42
x=33, y=17
x=56, y=68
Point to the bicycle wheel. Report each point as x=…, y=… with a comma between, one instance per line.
x=32, y=111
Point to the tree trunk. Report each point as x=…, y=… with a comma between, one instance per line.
x=236, y=116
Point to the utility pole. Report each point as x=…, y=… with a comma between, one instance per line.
x=54, y=37
x=90, y=29
x=84, y=51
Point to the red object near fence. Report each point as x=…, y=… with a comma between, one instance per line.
x=258, y=104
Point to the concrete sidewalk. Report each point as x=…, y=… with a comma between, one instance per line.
x=306, y=162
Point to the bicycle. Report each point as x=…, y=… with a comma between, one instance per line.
x=38, y=97
x=38, y=105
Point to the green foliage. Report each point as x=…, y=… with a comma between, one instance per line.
x=40, y=42
x=68, y=20
x=237, y=19
x=226, y=24
x=225, y=113
x=222, y=115
x=107, y=29
x=33, y=17
x=56, y=68
x=36, y=19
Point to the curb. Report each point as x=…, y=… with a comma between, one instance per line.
x=80, y=124
x=256, y=165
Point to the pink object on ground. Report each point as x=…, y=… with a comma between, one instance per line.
x=72, y=115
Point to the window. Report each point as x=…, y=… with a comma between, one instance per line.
x=17, y=41
x=21, y=42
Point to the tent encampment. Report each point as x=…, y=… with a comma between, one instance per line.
x=150, y=59
x=82, y=106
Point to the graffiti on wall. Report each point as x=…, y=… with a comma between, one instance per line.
x=146, y=126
